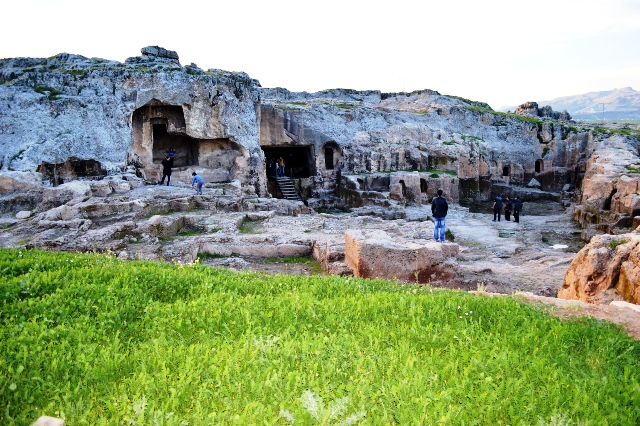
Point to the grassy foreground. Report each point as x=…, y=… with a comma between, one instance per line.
x=99, y=341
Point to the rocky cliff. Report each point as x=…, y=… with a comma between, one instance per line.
x=72, y=107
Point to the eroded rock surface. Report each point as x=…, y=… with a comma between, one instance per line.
x=608, y=268
x=375, y=254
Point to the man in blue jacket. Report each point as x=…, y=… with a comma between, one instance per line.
x=197, y=180
x=439, y=209
x=517, y=206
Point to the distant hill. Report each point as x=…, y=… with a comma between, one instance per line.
x=619, y=104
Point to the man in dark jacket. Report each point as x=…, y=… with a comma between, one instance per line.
x=517, y=206
x=439, y=209
x=497, y=207
x=507, y=209
x=167, y=163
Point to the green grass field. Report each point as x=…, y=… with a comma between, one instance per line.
x=99, y=341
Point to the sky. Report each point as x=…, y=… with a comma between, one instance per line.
x=500, y=52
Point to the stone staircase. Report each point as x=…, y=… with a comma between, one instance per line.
x=288, y=190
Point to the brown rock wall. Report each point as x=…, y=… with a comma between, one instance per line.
x=607, y=262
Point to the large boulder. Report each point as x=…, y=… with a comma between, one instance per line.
x=375, y=254
x=608, y=264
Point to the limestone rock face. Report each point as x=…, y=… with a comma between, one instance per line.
x=532, y=109
x=375, y=254
x=608, y=262
x=92, y=117
x=610, y=191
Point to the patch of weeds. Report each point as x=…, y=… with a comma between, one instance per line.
x=190, y=233
x=364, y=223
x=286, y=108
x=434, y=175
x=345, y=106
x=476, y=104
x=52, y=93
x=450, y=143
x=249, y=226
x=325, y=211
x=290, y=259
x=633, y=169
x=545, y=150
x=307, y=231
x=507, y=234
x=615, y=243
x=214, y=230
x=207, y=256
x=448, y=235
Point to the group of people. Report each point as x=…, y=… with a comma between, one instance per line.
x=167, y=165
x=515, y=206
x=440, y=207
x=276, y=167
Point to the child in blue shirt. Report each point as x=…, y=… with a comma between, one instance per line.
x=197, y=179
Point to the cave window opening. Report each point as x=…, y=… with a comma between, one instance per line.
x=328, y=158
x=539, y=166
x=404, y=188
x=299, y=161
x=423, y=186
x=186, y=148
x=506, y=171
x=607, y=201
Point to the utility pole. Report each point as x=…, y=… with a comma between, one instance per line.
x=602, y=103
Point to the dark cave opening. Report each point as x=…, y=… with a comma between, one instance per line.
x=186, y=148
x=299, y=161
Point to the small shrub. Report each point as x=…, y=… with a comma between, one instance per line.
x=615, y=243
x=448, y=235
x=52, y=93
x=434, y=175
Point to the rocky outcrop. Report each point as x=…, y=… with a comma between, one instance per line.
x=608, y=267
x=531, y=109
x=610, y=192
x=375, y=254
x=73, y=117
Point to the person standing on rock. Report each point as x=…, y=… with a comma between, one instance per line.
x=507, y=209
x=167, y=163
x=497, y=207
x=439, y=209
x=517, y=206
x=198, y=181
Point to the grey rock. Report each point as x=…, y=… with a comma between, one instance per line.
x=533, y=183
x=23, y=214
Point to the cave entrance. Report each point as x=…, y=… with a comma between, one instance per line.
x=506, y=171
x=539, y=167
x=423, y=186
x=404, y=188
x=328, y=158
x=299, y=161
x=186, y=148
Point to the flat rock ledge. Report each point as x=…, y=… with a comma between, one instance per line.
x=375, y=254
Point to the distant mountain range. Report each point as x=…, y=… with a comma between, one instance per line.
x=619, y=104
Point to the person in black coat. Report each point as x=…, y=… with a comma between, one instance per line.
x=507, y=209
x=497, y=207
x=439, y=209
x=167, y=163
x=517, y=207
